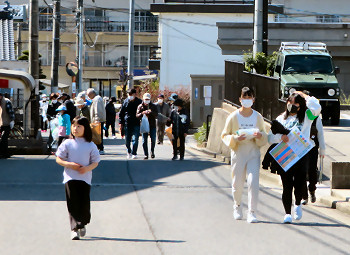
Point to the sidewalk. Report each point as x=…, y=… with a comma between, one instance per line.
x=332, y=198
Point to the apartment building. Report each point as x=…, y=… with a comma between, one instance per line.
x=105, y=40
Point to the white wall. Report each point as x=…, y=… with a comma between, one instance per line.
x=189, y=48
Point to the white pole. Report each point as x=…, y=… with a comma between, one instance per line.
x=258, y=27
x=131, y=44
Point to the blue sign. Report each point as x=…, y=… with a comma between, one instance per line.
x=196, y=93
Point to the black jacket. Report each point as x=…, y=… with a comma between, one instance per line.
x=180, y=121
x=127, y=115
x=51, y=110
x=71, y=110
x=110, y=113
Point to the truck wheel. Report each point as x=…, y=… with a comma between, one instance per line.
x=335, y=118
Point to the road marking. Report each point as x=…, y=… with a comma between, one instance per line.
x=345, y=116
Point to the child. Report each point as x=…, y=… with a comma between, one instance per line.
x=301, y=110
x=181, y=122
x=63, y=124
x=244, y=133
x=79, y=156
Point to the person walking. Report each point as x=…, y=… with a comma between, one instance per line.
x=129, y=123
x=79, y=156
x=110, y=116
x=180, y=121
x=71, y=110
x=53, y=105
x=163, y=115
x=83, y=109
x=317, y=137
x=64, y=124
x=44, y=104
x=244, y=133
x=150, y=110
x=301, y=110
x=7, y=122
x=97, y=113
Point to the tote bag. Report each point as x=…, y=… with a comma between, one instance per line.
x=144, y=128
x=96, y=133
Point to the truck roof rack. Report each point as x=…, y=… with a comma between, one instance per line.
x=303, y=46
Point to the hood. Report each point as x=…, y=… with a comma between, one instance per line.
x=309, y=79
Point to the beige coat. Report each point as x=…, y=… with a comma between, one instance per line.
x=229, y=134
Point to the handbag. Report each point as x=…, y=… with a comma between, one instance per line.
x=96, y=133
x=144, y=128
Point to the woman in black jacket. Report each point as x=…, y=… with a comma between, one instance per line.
x=110, y=116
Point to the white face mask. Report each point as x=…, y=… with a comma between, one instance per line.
x=131, y=98
x=247, y=103
x=147, y=101
x=160, y=100
x=54, y=101
x=176, y=108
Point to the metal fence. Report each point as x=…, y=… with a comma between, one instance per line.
x=266, y=89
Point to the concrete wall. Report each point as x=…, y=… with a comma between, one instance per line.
x=340, y=175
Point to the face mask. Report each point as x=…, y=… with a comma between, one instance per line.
x=147, y=101
x=131, y=98
x=54, y=101
x=160, y=101
x=292, y=108
x=246, y=103
x=176, y=108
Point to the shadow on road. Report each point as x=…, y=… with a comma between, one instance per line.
x=95, y=238
x=40, y=179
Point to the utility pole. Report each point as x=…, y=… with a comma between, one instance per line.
x=19, y=39
x=55, y=45
x=131, y=44
x=258, y=27
x=79, y=53
x=34, y=61
x=265, y=27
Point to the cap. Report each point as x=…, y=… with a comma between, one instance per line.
x=161, y=95
x=173, y=97
x=79, y=102
x=61, y=108
x=147, y=96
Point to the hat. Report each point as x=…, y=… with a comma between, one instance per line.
x=147, y=96
x=179, y=102
x=161, y=95
x=61, y=108
x=79, y=102
x=43, y=95
x=173, y=97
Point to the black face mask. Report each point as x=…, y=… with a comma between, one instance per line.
x=292, y=108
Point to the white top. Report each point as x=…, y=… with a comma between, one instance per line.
x=320, y=136
x=247, y=123
x=314, y=108
x=81, y=152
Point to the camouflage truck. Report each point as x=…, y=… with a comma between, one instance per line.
x=309, y=66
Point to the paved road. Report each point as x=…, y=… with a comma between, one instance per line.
x=153, y=207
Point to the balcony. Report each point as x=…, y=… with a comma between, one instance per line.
x=99, y=24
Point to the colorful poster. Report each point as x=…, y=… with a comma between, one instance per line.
x=287, y=154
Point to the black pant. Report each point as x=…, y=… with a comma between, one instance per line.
x=78, y=203
x=312, y=172
x=100, y=146
x=43, y=123
x=60, y=140
x=4, y=145
x=294, y=178
x=181, y=147
x=112, y=124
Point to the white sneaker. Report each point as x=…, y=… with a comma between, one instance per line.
x=298, y=212
x=114, y=137
x=82, y=231
x=287, y=219
x=74, y=235
x=304, y=201
x=237, y=213
x=134, y=157
x=128, y=155
x=102, y=153
x=251, y=218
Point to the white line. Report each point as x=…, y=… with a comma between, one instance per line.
x=345, y=116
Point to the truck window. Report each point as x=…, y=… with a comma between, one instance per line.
x=308, y=64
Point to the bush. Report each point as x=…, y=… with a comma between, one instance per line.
x=201, y=135
x=345, y=100
x=261, y=63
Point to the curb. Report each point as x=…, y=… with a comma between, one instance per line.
x=344, y=107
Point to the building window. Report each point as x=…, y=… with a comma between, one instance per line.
x=93, y=56
x=141, y=55
x=145, y=22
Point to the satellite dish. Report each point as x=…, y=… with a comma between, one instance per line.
x=72, y=69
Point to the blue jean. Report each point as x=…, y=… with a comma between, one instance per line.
x=153, y=133
x=132, y=134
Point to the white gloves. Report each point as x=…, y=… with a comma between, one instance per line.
x=12, y=124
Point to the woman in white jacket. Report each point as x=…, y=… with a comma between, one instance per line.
x=244, y=133
x=301, y=111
